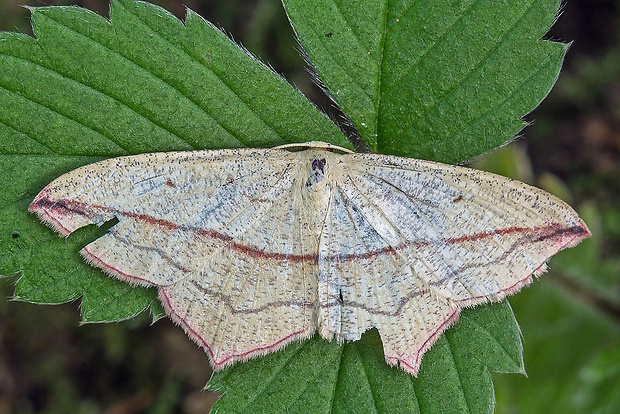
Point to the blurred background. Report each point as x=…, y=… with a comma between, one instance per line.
x=570, y=319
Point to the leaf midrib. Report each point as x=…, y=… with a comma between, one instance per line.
x=386, y=13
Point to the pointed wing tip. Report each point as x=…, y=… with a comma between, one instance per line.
x=584, y=230
x=42, y=206
x=411, y=363
x=258, y=351
x=410, y=367
x=571, y=236
x=66, y=215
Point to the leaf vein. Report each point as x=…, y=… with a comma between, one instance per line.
x=367, y=376
x=16, y=129
x=458, y=376
x=337, y=62
x=493, y=108
x=333, y=401
x=472, y=72
x=154, y=76
x=381, y=64
x=265, y=382
x=319, y=373
x=497, y=342
x=246, y=104
x=431, y=47
x=58, y=112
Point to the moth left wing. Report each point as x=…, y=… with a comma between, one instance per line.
x=408, y=243
x=476, y=236
x=256, y=295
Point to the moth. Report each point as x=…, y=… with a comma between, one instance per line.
x=251, y=249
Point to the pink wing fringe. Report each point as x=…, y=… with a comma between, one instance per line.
x=63, y=222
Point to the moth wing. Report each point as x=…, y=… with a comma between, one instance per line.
x=258, y=295
x=365, y=283
x=165, y=203
x=216, y=231
x=408, y=243
x=479, y=236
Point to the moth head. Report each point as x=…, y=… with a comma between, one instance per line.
x=317, y=168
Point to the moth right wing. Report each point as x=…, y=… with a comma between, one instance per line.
x=174, y=209
x=364, y=283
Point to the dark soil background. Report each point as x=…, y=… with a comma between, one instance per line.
x=50, y=364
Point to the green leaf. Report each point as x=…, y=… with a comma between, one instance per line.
x=471, y=95
x=321, y=377
x=86, y=88
x=435, y=79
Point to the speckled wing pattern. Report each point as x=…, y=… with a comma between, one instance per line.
x=251, y=249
